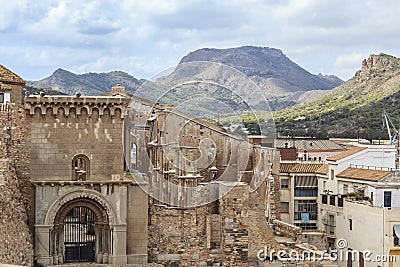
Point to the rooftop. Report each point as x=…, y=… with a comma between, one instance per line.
x=7, y=76
x=309, y=144
x=303, y=168
x=346, y=153
x=363, y=174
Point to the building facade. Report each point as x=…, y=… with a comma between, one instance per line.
x=359, y=199
x=116, y=179
x=77, y=170
x=299, y=193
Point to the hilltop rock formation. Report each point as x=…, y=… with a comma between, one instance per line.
x=376, y=66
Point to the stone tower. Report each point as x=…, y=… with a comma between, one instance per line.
x=86, y=209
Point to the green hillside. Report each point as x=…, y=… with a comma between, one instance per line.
x=353, y=109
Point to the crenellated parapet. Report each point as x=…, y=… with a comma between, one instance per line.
x=77, y=106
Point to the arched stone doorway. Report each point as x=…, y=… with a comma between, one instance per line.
x=81, y=233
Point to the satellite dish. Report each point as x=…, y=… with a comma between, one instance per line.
x=78, y=94
x=42, y=94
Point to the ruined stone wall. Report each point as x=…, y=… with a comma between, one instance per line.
x=15, y=198
x=260, y=234
x=228, y=232
x=234, y=208
x=182, y=237
x=275, y=188
x=202, y=145
x=17, y=148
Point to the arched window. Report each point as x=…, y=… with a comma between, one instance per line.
x=80, y=168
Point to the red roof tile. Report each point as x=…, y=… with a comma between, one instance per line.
x=363, y=174
x=303, y=168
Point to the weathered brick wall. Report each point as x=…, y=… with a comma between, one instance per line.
x=16, y=95
x=15, y=198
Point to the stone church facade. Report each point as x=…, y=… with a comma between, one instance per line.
x=117, y=179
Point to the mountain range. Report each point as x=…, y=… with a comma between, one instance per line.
x=88, y=83
x=305, y=104
x=282, y=81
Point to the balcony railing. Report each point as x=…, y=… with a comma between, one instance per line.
x=334, y=200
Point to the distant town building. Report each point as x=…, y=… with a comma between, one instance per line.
x=307, y=149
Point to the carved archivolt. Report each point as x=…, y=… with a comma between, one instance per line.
x=89, y=198
x=101, y=217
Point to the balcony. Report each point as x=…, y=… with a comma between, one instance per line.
x=306, y=192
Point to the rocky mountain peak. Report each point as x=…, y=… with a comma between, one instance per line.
x=268, y=65
x=377, y=66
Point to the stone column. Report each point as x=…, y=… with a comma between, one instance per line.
x=105, y=245
x=42, y=244
x=60, y=244
x=99, y=254
x=118, y=250
x=53, y=245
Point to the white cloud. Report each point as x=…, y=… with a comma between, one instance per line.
x=348, y=60
x=330, y=37
x=347, y=63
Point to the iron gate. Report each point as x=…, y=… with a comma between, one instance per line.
x=79, y=235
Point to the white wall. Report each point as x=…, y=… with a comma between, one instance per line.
x=331, y=184
x=379, y=193
x=372, y=230
x=367, y=232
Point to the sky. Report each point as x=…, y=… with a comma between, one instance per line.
x=145, y=37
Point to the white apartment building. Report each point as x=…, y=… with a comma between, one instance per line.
x=299, y=193
x=360, y=204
